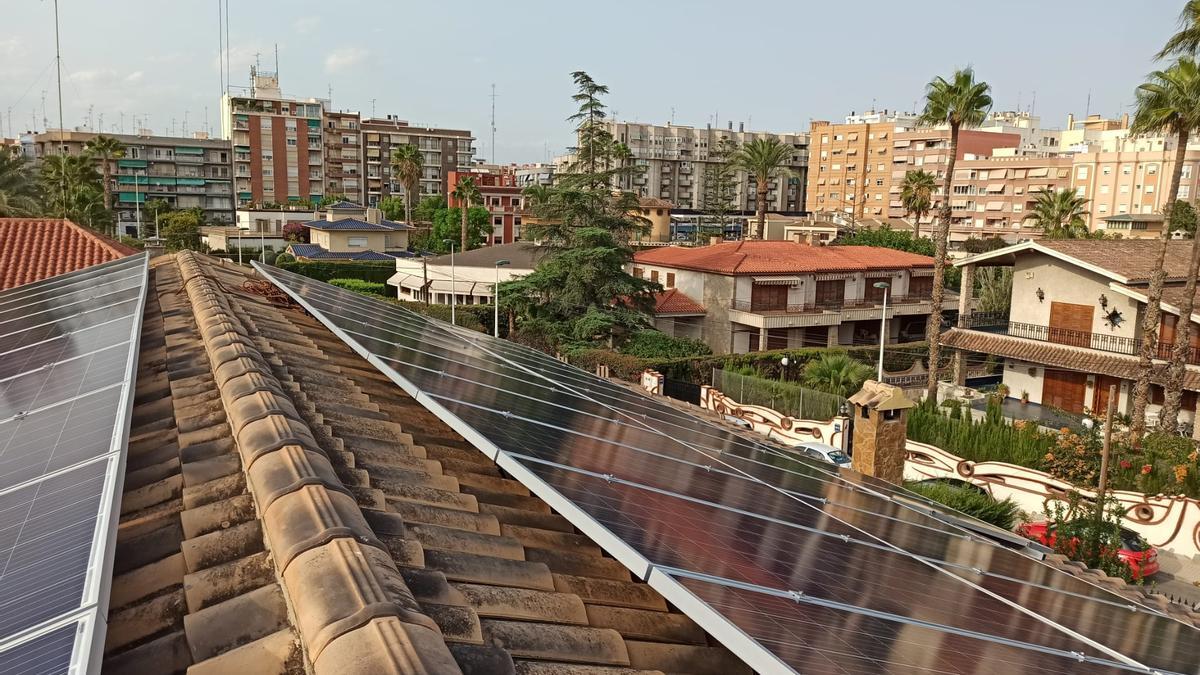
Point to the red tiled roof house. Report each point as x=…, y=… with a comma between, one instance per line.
x=754, y=295
x=38, y=248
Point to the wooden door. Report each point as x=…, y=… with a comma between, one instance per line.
x=1100, y=394
x=1070, y=324
x=831, y=293
x=765, y=298
x=1064, y=389
x=920, y=287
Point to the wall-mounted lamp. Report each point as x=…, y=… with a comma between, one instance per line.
x=1041, y=295
x=1103, y=301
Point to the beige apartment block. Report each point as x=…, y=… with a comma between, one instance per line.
x=443, y=151
x=993, y=196
x=850, y=168
x=1131, y=182
x=674, y=158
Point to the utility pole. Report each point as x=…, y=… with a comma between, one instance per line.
x=62, y=142
x=494, y=161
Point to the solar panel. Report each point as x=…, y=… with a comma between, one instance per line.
x=68, y=352
x=797, y=566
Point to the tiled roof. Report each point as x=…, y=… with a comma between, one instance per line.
x=780, y=257
x=355, y=225
x=344, y=205
x=521, y=255
x=1055, y=355
x=1133, y=259
x=317, y=252
x=288, y=509
x=37, y=248
x=674, y=301
x=654, y=203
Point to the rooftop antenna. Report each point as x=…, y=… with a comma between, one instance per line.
x=91, y=111
x=207, y=130
x=276, y=60
x=372, y=107
x=62, y=141
x=1088, y=108
x=257, y=64
x=672, y=114
x=494, y=123
x=221, y=43
x=185, y=121
x=122, y=114
x=1033, y=105
x=101, y=123
x=45, y=120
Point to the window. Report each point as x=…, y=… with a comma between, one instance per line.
x=878, y=182
x=654, y=276
x=1184, y=190
x=1081, y=190
x=1126, y=170
x=1103, y=208
x=670, y=280
x=1125, y=189
x=1187, y=171
x=880, y=167
x=1106, y=170
x=1103, y=189
x=1081, y=172
x=1149, y=189
x=1151, y=169
x=356, y=242
x=639, y=273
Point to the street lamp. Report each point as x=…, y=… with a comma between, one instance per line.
x=453, y=282
x=783, y=371
x=496, y=294
x=882, y=324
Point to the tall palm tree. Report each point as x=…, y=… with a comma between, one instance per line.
x=959, y=102
x=106, y=149
x=464, y=193
x=1186, y=42
x=406, y=167
x=1169, y=102
x=762, y=158
x=18, y=188
x=62, y=176
x=916, y=196
x=1059, y=213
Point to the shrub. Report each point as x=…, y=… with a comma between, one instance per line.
x=1002, y=514
x=986, y=440
x=284, y=258
x=360, y=286
x=1089, y=534
x=836, y=373
x=378, y=272
x=654, y=344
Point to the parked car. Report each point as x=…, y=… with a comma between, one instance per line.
x=952, y=482
x=823, y=452
x=1136, y=552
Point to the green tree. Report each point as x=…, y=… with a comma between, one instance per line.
x=836, y=373
x=465, y=193
x=181, y=229
x=886, y=237
x=1059, y=214
x=763, y=158
x=406, y=168
x=71, y=188
x=720, y=185
x=392, y=207
x=959, y=103
x=1168, y=103
x=18, y=188
x=916, y=195
x=580, y=293
x=1185, y=42
x=447, y=224
x=152, y=212
x=426, y=209
x=994, y=289
x=106, y=149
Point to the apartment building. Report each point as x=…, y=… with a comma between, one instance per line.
x=278, y=147
x=184, y=172
x=287, y=150
x=851, y=166
x=501, y=196
x=528, y=175
x=993, y=196
x=674, y=158
x=758, y=295
x=442, y=150
x=1131, y=182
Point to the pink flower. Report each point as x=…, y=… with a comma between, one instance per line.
x=1146, y=468
x=1126, y=464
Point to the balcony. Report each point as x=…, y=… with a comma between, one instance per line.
x=997, y=323
x=832, y=312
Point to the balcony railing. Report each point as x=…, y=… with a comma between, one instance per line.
x=996, y=323
x=828, y=305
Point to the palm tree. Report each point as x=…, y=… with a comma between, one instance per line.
x=1187, y=41
x=406, y=166
x=959, y=102
x=62, y=176
x=464, y=193
x=916, y=196
x=18, y=188
x=762, y=158
x=106, y=149
x=1059, y=213
x=836, y=373
x=1168, y=103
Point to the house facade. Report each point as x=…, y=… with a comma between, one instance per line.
x=759, y=295
x=349, y=228
x=1074, y=324
x=469, y=277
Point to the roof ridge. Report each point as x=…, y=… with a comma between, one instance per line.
x=317, y=533
x=115, y=247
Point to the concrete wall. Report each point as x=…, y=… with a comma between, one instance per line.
x=339, y=241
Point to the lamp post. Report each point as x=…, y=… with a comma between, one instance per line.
x=783, y=370
x=496, y=295
x=882, y=325
x=453, y=282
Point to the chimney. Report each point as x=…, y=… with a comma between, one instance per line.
x=1125, y=121
x=374, y=216
x=1070, y=121
x=880, y=431
x=808, y=237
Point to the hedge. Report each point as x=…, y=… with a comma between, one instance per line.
x=360, y=286
x=1002, y=514
x=378, y=272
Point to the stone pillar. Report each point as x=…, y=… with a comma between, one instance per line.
x=762, y=339
x=880, y=418
x=831, y=339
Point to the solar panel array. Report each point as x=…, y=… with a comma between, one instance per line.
x=68, y=351
x=796, y=566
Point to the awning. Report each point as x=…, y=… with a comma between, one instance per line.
x=459, y=287
x=901, y=144
x=851, y=151
x=998, y=173
x=820, y=181
x=833, y=276
x=1039, y=173
x=995, y=206
x=995, y=188
x=776, y=281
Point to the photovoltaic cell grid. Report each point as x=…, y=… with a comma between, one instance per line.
x=794, y=565
x=68, y=351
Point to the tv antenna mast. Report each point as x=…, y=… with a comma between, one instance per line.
x=494, y=124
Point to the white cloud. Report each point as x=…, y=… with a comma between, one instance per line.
x=93, y=75
x=134, y=77
x=340, y=59
x=306, y=24
x=10, y=46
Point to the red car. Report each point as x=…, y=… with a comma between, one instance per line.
x=1136, y=552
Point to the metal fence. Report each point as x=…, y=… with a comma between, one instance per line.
x=788, y=398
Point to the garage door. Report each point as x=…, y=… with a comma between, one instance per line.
x=1064, y=389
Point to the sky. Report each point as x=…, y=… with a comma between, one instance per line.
x=773, y=65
